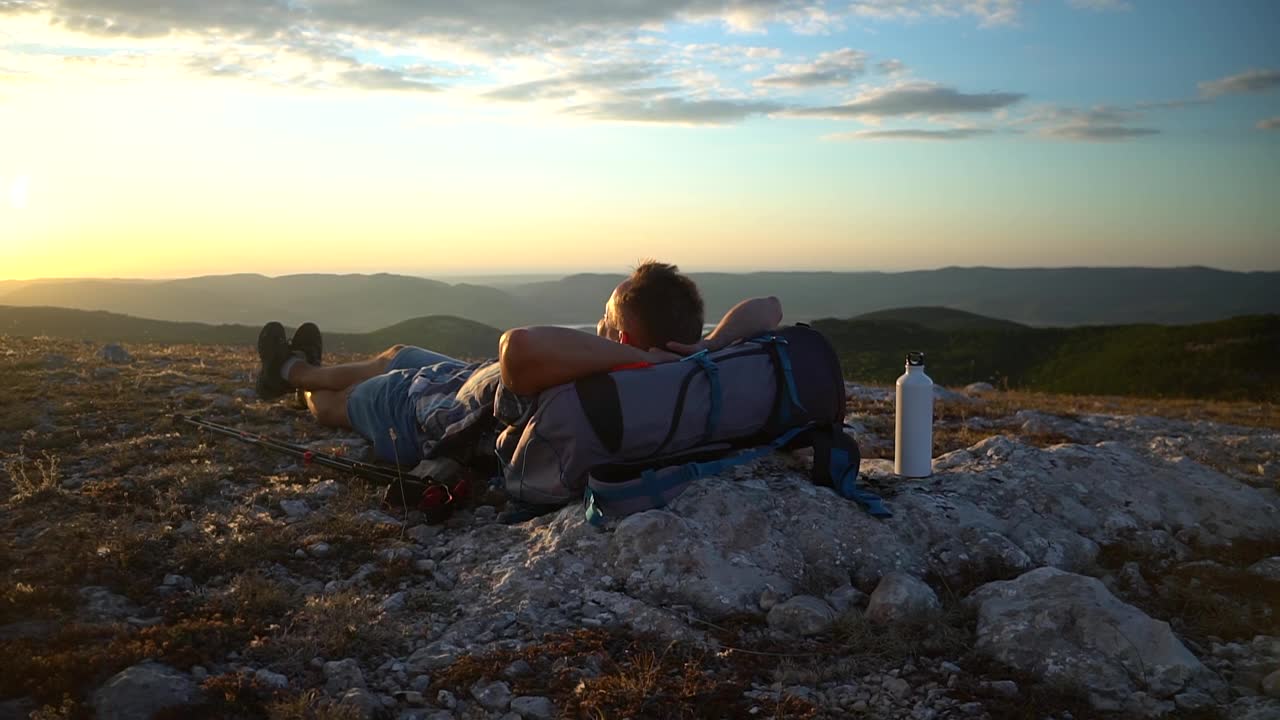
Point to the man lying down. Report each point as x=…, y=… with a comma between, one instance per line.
x=413, y=404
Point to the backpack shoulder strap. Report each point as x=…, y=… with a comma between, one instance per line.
x=654, y=488
x=836, y=460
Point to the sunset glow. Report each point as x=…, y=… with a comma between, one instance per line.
x=440, y=138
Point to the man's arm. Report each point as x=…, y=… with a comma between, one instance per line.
x=536, y=358
x=747, y=318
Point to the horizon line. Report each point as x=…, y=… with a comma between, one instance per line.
x=561, y=274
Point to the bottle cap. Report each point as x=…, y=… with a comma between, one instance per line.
x=915, y=358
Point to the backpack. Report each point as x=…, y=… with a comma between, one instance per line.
x=633, y=440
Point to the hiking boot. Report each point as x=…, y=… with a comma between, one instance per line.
x=273, y=350
x=307, y=340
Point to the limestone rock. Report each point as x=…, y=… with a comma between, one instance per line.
x=901, y=597
x=342, y=675
x=364, y=704
x=493, y=696
x=802, y=615
x=845, y=598
x=1267, y=568
x=138, y=692
x=271, y=679
x=116, y=354
x=100, y=604
x=1068, y=629
x=295, y=509
x=534, y=707
x=1271, y=685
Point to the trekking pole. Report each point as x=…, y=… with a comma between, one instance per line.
x=434, y=498
x=308, y=456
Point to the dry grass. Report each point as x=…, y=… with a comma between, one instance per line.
x=32, y=477
x=343, y=624
x=602, y=674
x=101, y=489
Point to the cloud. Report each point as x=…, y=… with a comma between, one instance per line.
x=1271, y=123
x=911, y=134
x=1251, y=81
x=915, y=99
x=676, y=111
x=891, y=67
x=1097, y=133
x=988, y=12
x=20, y=6
x=380, y=78
x=1096, y=124
x=570, y=84
x=837, y=67
x=1100, y=5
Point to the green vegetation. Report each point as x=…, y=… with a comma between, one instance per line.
x=1236, y=359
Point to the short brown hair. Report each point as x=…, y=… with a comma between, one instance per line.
x=664, y=305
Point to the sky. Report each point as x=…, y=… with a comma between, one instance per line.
x=170, y=138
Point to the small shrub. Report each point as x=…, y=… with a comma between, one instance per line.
x=42, y=478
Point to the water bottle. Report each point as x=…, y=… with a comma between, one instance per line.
x=913, y=441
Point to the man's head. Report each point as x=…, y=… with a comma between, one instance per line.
x=653, y=307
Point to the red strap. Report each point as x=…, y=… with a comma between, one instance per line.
x=631, y=366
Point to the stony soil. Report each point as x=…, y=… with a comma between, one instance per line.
x=142, y=560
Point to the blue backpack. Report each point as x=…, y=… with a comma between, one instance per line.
x=633, y=440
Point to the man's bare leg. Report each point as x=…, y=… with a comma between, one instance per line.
x=330, y=407
x=339, y=377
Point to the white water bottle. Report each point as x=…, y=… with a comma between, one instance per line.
x=913, y=441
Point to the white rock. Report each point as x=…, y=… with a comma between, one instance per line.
x=138, y=692
x=343, y=675
x=102, y=604
x=1271, y=685
x=846, y=598
x=900, y=597
x=423, y=534
x=1068, y=629
x=445, y=699
x=1268, y=568
x=113, y=353
x=802, y=615
x=295, y=509
x=271, y=679
x=979, y=388
x=324, y=490
x=364, y=703
x=533, y=707
x=494, y=696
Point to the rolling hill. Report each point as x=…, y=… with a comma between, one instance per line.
x=1235, y=359
x=449, y=335
x=1229, y=359
x=354, y=303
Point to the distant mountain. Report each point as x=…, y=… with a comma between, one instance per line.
x=354, y=303
x=1229, y=359
x=939, y=318
x=344, y=302
x=1044, y=297
x=449, y=335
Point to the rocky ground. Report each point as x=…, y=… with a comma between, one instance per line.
x=1070, y=558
